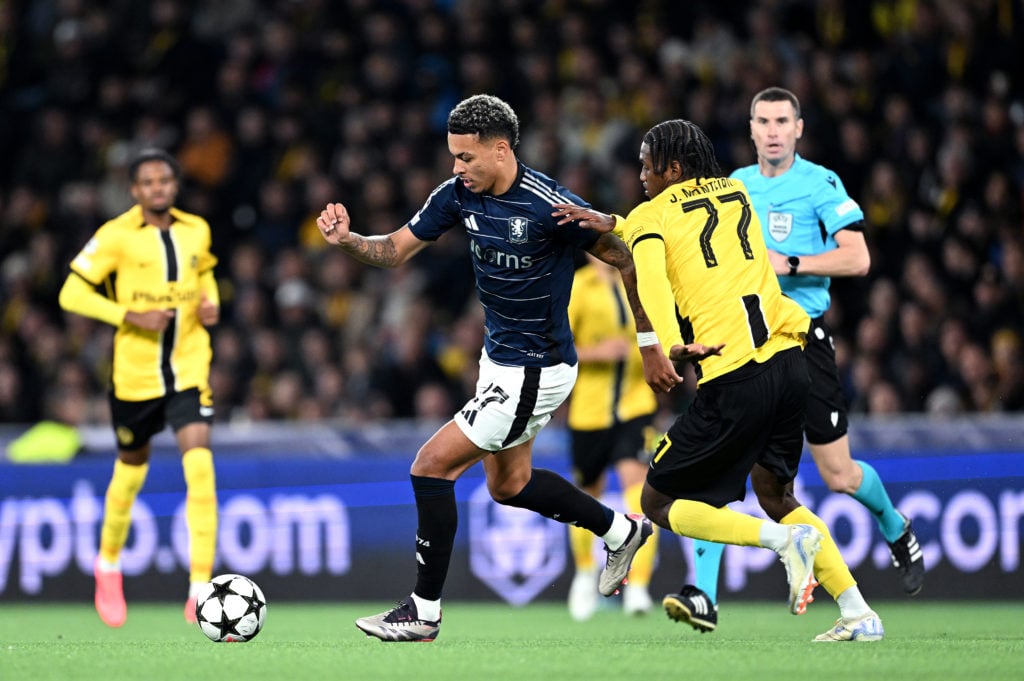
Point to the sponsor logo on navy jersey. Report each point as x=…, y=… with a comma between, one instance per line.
x=498, y=258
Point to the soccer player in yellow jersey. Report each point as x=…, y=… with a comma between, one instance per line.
x=156, y=263
x=611, y=416
x=706, y=282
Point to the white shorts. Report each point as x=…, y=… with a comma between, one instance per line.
x=513, y=403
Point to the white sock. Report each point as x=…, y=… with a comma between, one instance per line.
x=108, y=566
x=852, y=604
x=427, y=610
x=194, y=587
x=774, y=536
x=617, y=534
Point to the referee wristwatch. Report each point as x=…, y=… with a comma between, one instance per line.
x=794, y=264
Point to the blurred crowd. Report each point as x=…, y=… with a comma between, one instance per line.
x=275, y=108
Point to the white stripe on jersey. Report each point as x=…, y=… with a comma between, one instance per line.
x=532, y=184
x=520, y=319
x=495, y=295
x=511, y=347
x=496, y=237
x=516, y=279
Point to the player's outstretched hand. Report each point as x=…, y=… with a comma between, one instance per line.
x=587, y=217
x=334, y=223
x=694, y=352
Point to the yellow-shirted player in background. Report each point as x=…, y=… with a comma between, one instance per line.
x=157, y=269
x=611, y=416
x=706, y=282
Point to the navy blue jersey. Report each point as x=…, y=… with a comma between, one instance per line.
x=523, y=260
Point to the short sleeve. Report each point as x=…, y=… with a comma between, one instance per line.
x=438, y=214
x=835, y=208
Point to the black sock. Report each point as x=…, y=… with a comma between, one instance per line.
x=554, y=497
x=438, y=520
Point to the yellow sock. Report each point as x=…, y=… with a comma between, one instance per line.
x=200, y=512
x=124, y=486
x=829, y=567
x=643, y=562
x=724, y=525
x=582, y=544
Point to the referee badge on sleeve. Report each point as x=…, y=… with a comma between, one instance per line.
x=780, y=225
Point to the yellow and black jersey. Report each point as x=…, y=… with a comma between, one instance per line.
x=146, y=268
x=605, y=392
x=704, y=276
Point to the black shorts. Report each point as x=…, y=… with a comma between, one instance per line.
x=825, y=415
x=751, y=415
x=135, y=423
x=594, y=451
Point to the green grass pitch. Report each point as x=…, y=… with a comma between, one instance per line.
x=930, y=641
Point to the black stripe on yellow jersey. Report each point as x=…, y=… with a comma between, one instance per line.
x=704, y=276
x=605, y=393
x=149, y=268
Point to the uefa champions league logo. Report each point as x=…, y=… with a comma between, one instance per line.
x=515, y=552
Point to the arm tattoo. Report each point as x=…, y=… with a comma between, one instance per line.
x=643, y=323
x=613, y=251
x=372, y=250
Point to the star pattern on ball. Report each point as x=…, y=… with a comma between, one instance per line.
x=236, y=609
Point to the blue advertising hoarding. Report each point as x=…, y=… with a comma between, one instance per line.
x=333, y=519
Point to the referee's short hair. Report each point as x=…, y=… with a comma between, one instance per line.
x=776, y=94
x=153, y=154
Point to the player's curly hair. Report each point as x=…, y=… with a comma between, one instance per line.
x=683, y=141
x=153, y=154
x=487, y=116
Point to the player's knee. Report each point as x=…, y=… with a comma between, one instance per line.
x=655, y=506
x=841, y=479
x=776, y=508
x=134, y=457
x=840, y=484
x=775, y=500
x=503, y=492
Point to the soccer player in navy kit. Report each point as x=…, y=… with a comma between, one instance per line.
x=814, y=231
x=524, y=264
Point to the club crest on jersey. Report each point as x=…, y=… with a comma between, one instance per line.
x=517, y=232
x=780, y=225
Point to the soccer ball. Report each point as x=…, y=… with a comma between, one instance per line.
x=230, y=609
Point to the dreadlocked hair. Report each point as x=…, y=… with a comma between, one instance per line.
x=682, y=141
x=486, y=116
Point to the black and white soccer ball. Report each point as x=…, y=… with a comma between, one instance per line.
x=230, y=609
